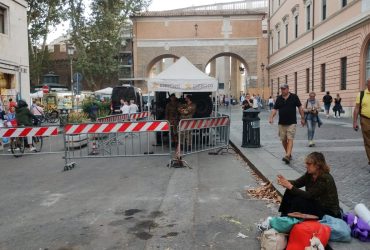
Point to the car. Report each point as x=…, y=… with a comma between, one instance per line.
x=126, y=92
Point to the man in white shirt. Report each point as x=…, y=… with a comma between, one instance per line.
x=133, y=107
x=125, y=108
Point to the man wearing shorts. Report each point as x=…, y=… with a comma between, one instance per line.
x=287, y=103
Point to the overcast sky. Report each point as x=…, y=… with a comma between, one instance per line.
x=156, y=5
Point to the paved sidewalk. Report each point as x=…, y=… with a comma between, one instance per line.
x=343, y=149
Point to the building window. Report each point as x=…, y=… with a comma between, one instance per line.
x=295, y=82
x=286, y=79
x=2, y=20
x=323, y=9
x=286, y=33
x=272, y=86
x=272, y=44
x=343, y=73
x=307, y=80
x=323, y=76
x=296, y=26
x=278, y=39
x=344, y=3
x=308, y=17
x=368, y=63
x=278, y=86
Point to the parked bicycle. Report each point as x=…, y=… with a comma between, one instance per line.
x=51, y=117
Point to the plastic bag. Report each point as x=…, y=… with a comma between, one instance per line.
x=302, y=233
x=283, y=224
x=340, y=231
x=271, y=239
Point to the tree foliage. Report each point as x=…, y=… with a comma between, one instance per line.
x=99, y=38
x=42, y=15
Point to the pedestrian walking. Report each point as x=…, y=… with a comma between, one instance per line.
x=320, y=196
x=271, y=102
x=363, y=109
x=337, y=106
x=286, y=104
x=311, y=115
x=327, y=100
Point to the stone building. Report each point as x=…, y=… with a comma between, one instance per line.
x=319, y=45
x=14, y=62
x=232, y=32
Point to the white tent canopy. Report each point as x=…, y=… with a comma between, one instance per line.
x=106, y=91
x=182, y=76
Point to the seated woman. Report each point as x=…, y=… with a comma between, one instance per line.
x=320, y=196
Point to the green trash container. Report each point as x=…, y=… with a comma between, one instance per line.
x=251, y=129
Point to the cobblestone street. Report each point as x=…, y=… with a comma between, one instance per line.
x=341, y=145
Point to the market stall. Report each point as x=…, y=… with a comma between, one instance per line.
x=184, y=77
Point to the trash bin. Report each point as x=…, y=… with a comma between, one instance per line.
x=251, y=129
x=63, y=117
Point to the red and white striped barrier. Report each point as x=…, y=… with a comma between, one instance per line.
x=113, y=118
x=125, y=127
x=29, y=131
x=203, y=123
x=139, y=115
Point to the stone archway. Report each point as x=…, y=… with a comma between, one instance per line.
x=364, y=62
x=234, y=73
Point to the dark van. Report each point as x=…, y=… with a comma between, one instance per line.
x=125, y=92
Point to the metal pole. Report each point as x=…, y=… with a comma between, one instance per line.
x=72, y=82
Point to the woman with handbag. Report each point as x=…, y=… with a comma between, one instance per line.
x=311, y=111
x=337, y=106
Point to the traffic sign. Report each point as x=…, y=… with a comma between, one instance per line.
x=77, y=77
x=45, y=89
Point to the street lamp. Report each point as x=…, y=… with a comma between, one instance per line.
x=70, y=52
x=263, y=81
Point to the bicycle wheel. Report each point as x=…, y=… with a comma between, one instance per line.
x=37, y=142
x=17, y=146
x=53, y=116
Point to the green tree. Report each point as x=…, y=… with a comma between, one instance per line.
x=99, y=38
x=42, y=15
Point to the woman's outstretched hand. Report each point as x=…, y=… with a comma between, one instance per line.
x=284, y=182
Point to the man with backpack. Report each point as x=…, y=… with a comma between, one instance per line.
x=327, y=100
x=363, y=109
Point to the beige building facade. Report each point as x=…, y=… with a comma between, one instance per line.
x=319, y=45
x=14, y=62
x=204, y=37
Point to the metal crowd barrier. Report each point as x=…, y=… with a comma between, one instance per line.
x=124, y=117
x=122, y=139
x=202, y=134
x=14, y=140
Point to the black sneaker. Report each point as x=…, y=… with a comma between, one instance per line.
x=286, y=159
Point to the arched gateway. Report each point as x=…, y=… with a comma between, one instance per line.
x=228, y=41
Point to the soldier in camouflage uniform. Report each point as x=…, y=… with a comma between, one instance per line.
x=172, y=115
x=187, y=111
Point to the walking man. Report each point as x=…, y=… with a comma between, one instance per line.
x=363, y=109
x=327, y=100
x=287, y=103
